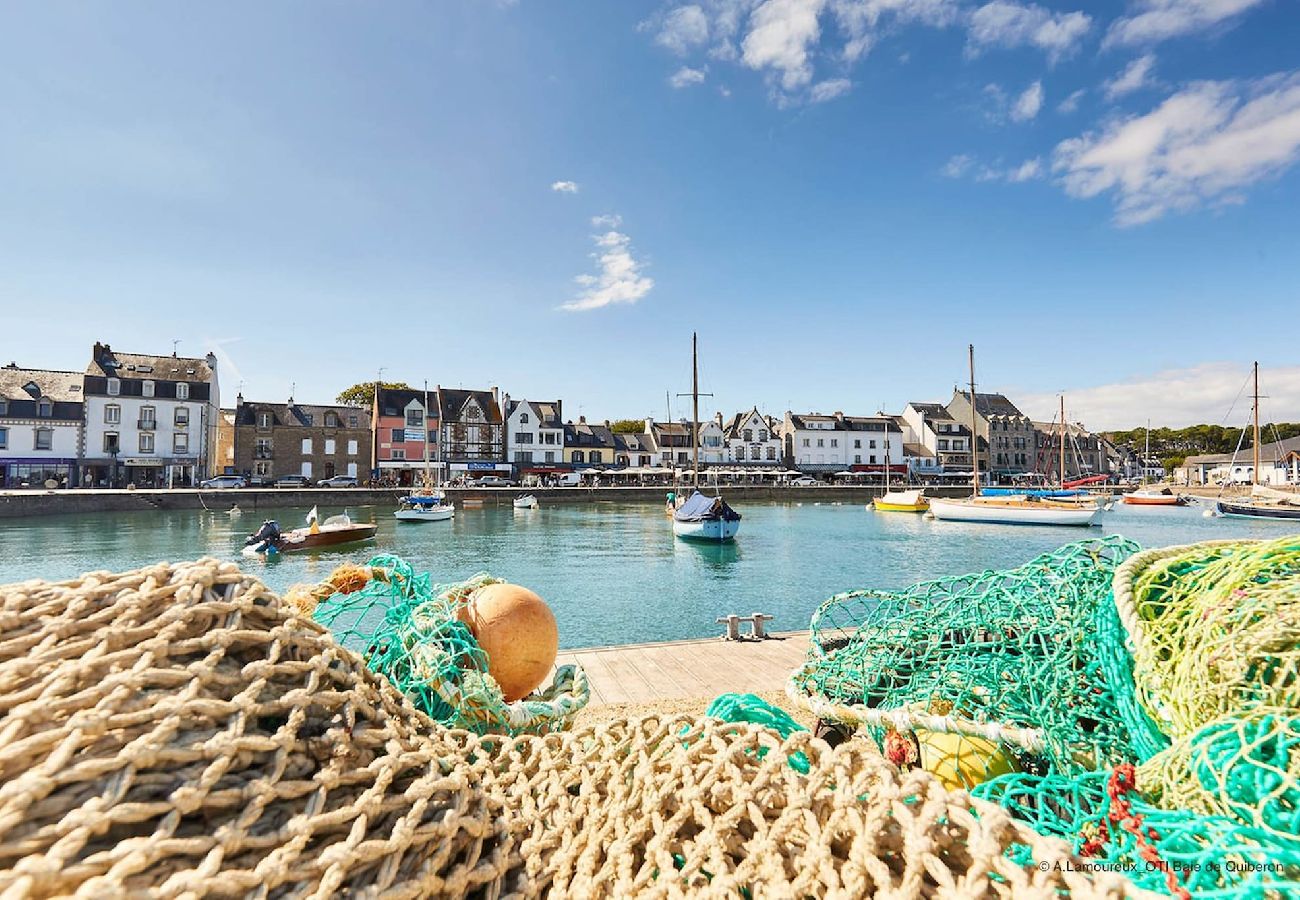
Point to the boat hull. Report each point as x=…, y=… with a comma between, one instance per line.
x=714, y=530
x=1026, y=513
x=1251, y=511
x=432, y=514
x=301, y=539
x=1154, y=500
x=901, y=501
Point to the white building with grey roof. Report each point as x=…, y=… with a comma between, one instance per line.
x=42, y=417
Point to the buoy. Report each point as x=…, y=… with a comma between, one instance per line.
x=960, y=761
x=517, y=631
x=1208, y=514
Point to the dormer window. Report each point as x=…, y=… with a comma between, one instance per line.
x=114, y=387
x=45, y=408
x=182, y=391
x=523, y=418
x=415, y=417
x=146, y=389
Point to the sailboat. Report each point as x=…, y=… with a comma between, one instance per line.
x=1070, y=492
x=1263, y=502
x=429, y=504
x=1006, y=510
x=898, y=501
x=700, y=517
x=1149, y=496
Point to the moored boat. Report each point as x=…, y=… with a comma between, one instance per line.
x=1264, y=502
x=1154, y=497
x=424, y=508
x=901, y=501
x=527, y=501
x=1014, y=511
x=270, y=540
x=705, y=518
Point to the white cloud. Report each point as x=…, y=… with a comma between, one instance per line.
x=683, y=29
x=829, y=90
x=781, y=35
x=957, y=166
x=964, y=164
x=1029, y=170
x=565, y=187
x=1156, y=20
x=861, y=20
x=1176, y=398
x=1203, y=144
x=619, y=279
x=1071, y=103
x=1028, y=103
x=1136, y=75
x=1003, y=23
x=686, y=76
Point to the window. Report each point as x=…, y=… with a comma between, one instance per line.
x=112, y=414
x=821, y=442
x=550, y=456
x=415, y=418
x=114, y=387
x=762, y=434
x=146, y=442
x=146, y=389
x=873, y=457
x=433, y=436
x=329, y=446
x=523, y=418
x=4, y=407
x=943, y=443
x=835, y=442
x=306, y=470
x=148, y=418
x=871, y=444
x=306, y=445
x=857, y=443
x=264, y=420
x=805, y=442
x=352, y=421
x=180, y=442
x=523, y=437
x=399, y=435
x=182, y=391
x=749, y=435
x=771, y=453
x=261, y=468
x=577, y=456
x=4, y=438
x=45, y=408
x=262, y=449
x=740, y=454
x=399, y=453
x=182, y=416
x=110, y=442
x=857, y=457
x=331, y=420
x=44, y=438
x=352, y=448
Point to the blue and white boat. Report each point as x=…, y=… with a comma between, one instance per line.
x=431, y=507
x=703, y=518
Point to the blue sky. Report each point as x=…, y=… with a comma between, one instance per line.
x=838, y=195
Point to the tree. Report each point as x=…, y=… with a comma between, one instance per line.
x=628, y=426
x=363, y=395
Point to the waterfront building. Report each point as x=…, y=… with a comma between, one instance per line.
x=752, y=441
x=815, y=442
x=273, y=440
x=673, y=442
x=1085, y=453
x=713, y=442
x=1007, y=442
x=42, y=422
x=401, y=421
x=473, y=432
x=588, y=445
x=534, y=436
x=1279, y=463
x=946, y=442
x=150, y=420
x=635, y=450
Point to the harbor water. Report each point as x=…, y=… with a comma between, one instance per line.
x=612, y=571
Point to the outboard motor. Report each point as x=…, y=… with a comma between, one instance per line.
x=266, y=538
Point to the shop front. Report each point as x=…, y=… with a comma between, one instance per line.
x=406, y=472
x=37, y=473
x=464, y=471
x=157, y=472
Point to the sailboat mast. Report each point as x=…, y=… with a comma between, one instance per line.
x=1147, y=454
x=1062, y=442
x=427, y=481
x=695, y=404
x=974, y=435
x=1254, y=473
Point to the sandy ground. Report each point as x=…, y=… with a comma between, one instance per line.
x=693, y=706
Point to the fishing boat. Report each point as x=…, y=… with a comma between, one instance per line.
x=527, y=501
x=1152, y=496
x=1014, y=509
x=269, y=540
x=429, y=504
x=701, y=517
x=1263, y=502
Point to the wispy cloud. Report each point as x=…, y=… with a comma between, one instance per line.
x=1156, y=20
x=964, y=164
x=565, y=187
x=957, y=166
x=1003, y=23
x=1028, y=103
x=686, y=76
x=619, y=278
x=1071, y=103
x=1174, y=397
x=1203, y=144
x=829, y=90
x=1136, y=75
x=683, y=29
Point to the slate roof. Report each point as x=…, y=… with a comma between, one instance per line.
x=584, y=435
x=301, y=415
x=58, y=386
x=992, y=404
x=107, y=362
x=393, y=401
x=546, y=413
x=451, y=401
x=635, y=443
x=736, y=425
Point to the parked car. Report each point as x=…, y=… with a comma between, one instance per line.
x=338, y=481
x=805, y=481
x=293, y=481
x=492, y=481
x=224, y=481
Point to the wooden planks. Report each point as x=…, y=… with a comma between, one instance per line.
x=639, y=673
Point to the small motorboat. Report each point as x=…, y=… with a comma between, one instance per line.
x=527, y=501
x=270, y=540
x=424, y=508
x=703, y=518
x=1015, y=511
x=1154, y=497
x=901, y=501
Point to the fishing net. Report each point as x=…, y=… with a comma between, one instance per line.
x=1015, y=658
x=406, y=629
x=180, y=732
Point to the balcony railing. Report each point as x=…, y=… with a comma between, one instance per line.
x=263, y=454
x=147, y=424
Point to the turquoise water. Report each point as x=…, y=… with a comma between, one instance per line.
x=613, y=572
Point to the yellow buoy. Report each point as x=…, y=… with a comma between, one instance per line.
x=517, y=630
x=959, y=761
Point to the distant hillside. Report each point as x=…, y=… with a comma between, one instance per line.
x=1173, y=445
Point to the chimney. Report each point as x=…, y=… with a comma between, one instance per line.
x=582, y=420
x=495, y=398
x=607, y=423
x=210, y=359
x=239, y=399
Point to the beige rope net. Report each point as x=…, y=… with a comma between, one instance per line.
x=178, y=732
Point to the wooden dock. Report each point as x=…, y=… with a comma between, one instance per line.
x=640, y=673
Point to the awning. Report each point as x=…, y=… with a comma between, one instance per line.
x=481, y=467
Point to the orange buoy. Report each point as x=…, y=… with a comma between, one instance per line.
x=517, y=630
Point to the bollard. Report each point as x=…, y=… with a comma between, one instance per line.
x=758, y=619
x=733, y=627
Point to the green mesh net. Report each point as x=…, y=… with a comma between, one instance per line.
x=405, y=628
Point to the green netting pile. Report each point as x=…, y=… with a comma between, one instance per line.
x=405, y=628
x=1152, y=719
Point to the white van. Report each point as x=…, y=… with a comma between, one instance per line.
x=568, y=479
